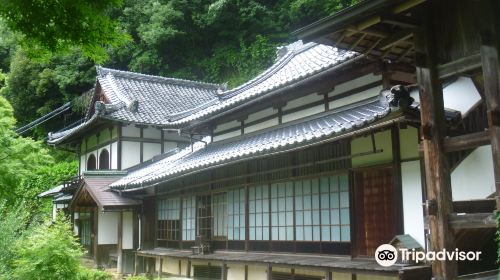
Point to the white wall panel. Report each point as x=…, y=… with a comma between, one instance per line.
x=412, y=200
x=227, y=125
x=114, y=155
x=169, y=146
x=474, y=178
x=227, y=135
x=304, y=100
x=369, y=93
x=261, y=114
x=107, y=228
x=130, y=154
x=131, y=131
x=151, y=133
x=262, y=125
x=128, y=230
x=303, y=113
x=356, y=83
x=150, y=150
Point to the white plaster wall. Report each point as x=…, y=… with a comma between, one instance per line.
x=76, y=215
x=114, y=155
x=257, y=272
x=355, y=97
x=83, y=164
x=151, y=133
x=169, y=146
x=227, y=125
x=412, y=200
x=131, y=131
x=235, y=272
x=130, y=154
x=107, y=232
x=262, y=125
x=473, y=178
x=226, y=135
x=356, y=83
x=170, y=265
x=128, y=230
x=374, y=277
x=303, y=113
x=310, y=98
x=261, y=114
x=310, y=272
x=184, y=265
x=341, y=276
x=150, y=150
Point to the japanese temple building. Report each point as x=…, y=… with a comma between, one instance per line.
x=381, y=122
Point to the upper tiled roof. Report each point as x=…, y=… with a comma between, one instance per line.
x=146, y=99
x=300, y=62
x=150, y=99
x=278, y=139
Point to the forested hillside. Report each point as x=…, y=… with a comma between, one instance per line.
x=214, y=41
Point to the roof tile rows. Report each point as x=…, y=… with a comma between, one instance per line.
x=276, y=140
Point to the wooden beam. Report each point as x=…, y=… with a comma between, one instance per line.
x=437, y=172
x=160, y=268
x=402, y=21
x=459, y=66
x=474, y=206
x=491, y=73
x=472, y=221
x=119, y=259
x=467, y=141
x=396, y=38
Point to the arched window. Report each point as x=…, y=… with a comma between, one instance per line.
x=91, y=162
x=104, y=159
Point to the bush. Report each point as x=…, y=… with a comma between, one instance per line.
x=137, y=278
x=93, y=274
x=50, y=251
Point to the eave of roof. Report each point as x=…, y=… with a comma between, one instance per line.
x=330, y=126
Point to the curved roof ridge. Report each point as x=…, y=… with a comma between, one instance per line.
x=102, y=71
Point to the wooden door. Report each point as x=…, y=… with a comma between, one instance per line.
x=375, y=216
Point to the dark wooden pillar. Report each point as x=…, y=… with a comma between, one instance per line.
x=269, y=270
x=438, y=182
x=188, y=269
x=95, y=220
x=224, y=272
x=491, y=73
x=160, y=267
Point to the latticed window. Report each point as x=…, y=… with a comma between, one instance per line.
x=258, y=213
x=168, y=219
x=219, y=206
x=189, y=218
x=236, y=214
x=282, y=211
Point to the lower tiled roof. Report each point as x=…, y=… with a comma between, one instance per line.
x=279, y=139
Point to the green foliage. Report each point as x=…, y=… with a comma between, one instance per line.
x=12, y=226
x=50, y=251
x=137, y=278
x=56, y=26
x=19, y=157
x=93, y=274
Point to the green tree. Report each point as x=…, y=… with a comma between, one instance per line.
x=57, y=26
x=50, y=251
x=19, y=156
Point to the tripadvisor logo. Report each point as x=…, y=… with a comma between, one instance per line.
x=387, y=255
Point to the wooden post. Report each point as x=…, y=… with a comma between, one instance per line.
x=269, y=272
x=136, y=264
x=491, y=73
x=119, y=258
x=328, y=275
x=433, y=131
x=160, y=267
x=95, y=220
x=188, y=269
x=246, y=272
x=224, y=272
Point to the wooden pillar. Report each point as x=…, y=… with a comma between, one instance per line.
x=269, y=270
x=491, y=73
x=136, y=264
x=246, y=272
x=438, y=182
x=328, y=275
x=160, y=267
x=224, y=272
x=397, y=179
x=188, y=269
x=95, y=220
x=119, y=259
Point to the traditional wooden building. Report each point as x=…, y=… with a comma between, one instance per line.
x=300, y=173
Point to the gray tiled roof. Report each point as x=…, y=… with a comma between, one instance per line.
x=157, y=98
x=146, y=99
x=278, y=139
x=97, y=186
x=301, y=61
